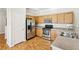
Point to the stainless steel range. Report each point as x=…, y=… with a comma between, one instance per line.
x=47, y=32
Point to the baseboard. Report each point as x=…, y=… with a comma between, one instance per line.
x=30, y=38
x=2, y=33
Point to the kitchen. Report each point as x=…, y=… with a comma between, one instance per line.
x=56, y=24
x=41, y=29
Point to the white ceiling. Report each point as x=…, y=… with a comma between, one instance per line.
x=46, y=11
x=38, y=11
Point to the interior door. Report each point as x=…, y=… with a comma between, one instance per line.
x=18, y=25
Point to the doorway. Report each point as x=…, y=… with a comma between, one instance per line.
x=3, y=28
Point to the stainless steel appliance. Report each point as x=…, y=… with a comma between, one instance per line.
x=47, y=32
x=30, y=28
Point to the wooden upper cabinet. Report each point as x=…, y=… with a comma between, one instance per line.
x=69, y=18
x=30, y=17
x=36, y=19
x=61, y=18
x=39, y=19
x=47, y=19
x=54, y=18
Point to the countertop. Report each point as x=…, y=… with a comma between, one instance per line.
x=66, y=43
x=56, y=26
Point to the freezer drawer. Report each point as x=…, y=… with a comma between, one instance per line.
x=30, y=35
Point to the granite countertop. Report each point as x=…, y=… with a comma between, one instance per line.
x=66, y=43
x=54, y=27
x=57, y=26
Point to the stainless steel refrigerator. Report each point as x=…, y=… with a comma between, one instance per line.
x=30, y=28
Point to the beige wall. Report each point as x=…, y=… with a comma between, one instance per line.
x=2, y=20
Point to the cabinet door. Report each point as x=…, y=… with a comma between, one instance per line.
x=47, y=19
x=47, y=16
x=36, y=19
x=40, y=19
x=69, y=18
x=33, y=17
x=39, y=32
x=61, y=18
x=54, y=18
x=53, y=34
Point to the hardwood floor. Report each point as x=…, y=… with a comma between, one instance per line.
x=36, y=43
x=3, y=44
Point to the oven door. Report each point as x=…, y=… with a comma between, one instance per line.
x=46, y=34
x=46, y=31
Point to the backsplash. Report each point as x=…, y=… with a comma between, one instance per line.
x=77, y=31
x=59, y=26
x=64, y=30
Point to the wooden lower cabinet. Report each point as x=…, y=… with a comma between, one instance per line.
x=39, y=32
x=53, y=35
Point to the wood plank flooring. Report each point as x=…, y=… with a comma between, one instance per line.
x=3, y=44
x=36, y=43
